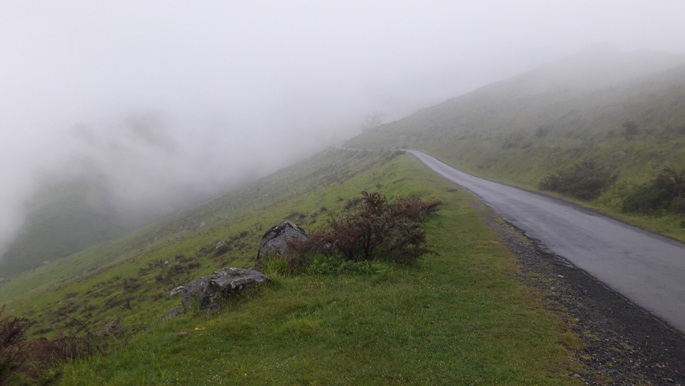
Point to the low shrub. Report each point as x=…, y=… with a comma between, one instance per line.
x=585, y=181
x=375, y=229
x=664, y=193
x=12, y=355
x=32, y=361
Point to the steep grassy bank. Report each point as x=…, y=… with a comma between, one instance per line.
x=621, y=111
x=130, y=277
x=458, y=318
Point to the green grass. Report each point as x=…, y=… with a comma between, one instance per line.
x=458, y=318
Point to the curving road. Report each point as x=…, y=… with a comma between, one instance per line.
x=646, y=268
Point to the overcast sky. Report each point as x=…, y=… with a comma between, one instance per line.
x=281, y=65
x=247, y=81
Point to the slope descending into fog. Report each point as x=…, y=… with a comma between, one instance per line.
x=646, y=268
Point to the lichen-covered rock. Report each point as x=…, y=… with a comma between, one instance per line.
x=274, y=240
x=203, y=292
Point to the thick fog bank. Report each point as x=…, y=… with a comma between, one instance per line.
x=146, y=165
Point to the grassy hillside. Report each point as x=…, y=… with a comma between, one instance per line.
x=622, y=111
x=65, y=217
x=460, y=317
x=157, y=249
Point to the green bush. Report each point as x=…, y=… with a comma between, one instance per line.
x=586, y=180
x=631, y=129
x=664, y=193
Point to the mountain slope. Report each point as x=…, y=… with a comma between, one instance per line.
x=574, y=101
x=459, y=317
x=624, y=111
x=39, y=292
x=384, y=323
x=64, y=218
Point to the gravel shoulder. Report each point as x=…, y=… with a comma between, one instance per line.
x=623, y=344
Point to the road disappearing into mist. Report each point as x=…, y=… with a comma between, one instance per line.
x=646, y=268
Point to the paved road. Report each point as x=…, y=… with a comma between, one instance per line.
x=646, y=268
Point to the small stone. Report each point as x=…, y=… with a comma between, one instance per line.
x=182, y=334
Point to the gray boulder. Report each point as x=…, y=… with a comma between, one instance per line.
x=275, y=239
x=204, y=292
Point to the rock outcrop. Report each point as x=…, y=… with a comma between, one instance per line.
x=275, y=239
x=204, y=292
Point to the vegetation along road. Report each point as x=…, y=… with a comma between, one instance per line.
x=646, y=268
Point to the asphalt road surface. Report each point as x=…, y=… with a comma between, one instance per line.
x=646, y=268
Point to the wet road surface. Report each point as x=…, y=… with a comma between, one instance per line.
x=646, y=268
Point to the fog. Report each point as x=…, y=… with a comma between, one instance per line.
x=170, y=101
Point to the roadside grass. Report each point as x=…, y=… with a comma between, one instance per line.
x=644, y=159
x=458, y=318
